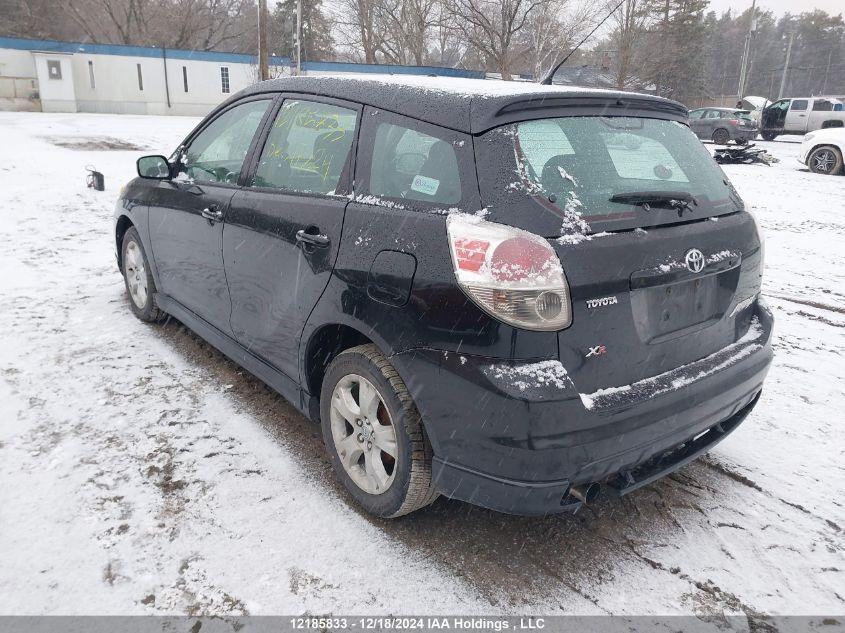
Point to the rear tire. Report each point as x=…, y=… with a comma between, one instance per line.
x=138, y=279
x=366, y=414
x=768, y=136
x=825, y=160
x=721, y=136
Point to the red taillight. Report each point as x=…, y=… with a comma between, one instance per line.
x=519, y=258
x=470, y=254
x=512, y=274
x=733, y=121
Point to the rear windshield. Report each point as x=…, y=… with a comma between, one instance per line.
x=592, y=167
x=742, y=114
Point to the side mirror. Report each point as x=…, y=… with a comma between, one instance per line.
x=153, y=167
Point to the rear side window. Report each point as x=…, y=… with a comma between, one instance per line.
x=410, y=164
x=307, y=147
x=799, y=105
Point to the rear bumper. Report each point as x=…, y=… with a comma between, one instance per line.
x=518, y=445
x=745, y=135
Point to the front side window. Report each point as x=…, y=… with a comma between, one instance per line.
x=307, y=147
x=696, y=114
x=217, y=154
x=410, y=164
x=600, y=167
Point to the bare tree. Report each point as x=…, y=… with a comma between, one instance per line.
x=409, y=26
x=196, y=24
x=450, y=49
x=361, y=29
x=631, y=20
x=491, y=27
x=552, y=29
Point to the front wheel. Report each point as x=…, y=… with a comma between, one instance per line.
x=138, y=278
x=374, y=434
x=825, y=160
x=768, y=136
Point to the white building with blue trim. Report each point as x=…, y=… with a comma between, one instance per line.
x=51, y=76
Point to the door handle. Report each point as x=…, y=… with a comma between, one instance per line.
x=212, y=214
x=312, y=237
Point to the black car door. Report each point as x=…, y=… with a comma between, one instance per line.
x=283, y=229
x=187, y=213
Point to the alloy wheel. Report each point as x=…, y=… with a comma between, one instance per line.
x=136, y=274
x=363, y=434
x=823, y=161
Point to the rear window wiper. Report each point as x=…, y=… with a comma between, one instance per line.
x=680, y=200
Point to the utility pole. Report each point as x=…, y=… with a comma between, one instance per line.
x=746, y=52
x=298, y=37
x=263, y=69
x=826, y=72
x=786, y=65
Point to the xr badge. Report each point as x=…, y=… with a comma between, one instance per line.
x=598, y=350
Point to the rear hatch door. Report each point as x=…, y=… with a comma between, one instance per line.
x=656, y=246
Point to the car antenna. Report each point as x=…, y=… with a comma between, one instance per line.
x=547, y=80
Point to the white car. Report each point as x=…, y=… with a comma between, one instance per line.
x=822, y=150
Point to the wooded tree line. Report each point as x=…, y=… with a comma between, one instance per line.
x=505, y=36
x=677, y=48
x=682, y=50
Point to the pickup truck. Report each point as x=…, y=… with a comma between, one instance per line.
x=799, y=116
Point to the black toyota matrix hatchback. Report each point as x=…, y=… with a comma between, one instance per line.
x=505, y=293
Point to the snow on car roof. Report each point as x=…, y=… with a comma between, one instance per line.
x=469, y=105
x=461, y=86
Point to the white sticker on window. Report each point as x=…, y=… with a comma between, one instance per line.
x=425, y=185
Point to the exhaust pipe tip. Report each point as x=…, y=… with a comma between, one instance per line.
x=585, y=493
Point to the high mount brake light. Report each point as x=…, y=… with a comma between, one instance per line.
x=513, y=275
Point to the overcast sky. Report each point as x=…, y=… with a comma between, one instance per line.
x=779, y=7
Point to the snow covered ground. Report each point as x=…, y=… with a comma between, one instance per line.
x=141, y=472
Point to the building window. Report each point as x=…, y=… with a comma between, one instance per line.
x=224, y=78
x=91, y=74
x=54, y=69
x=185, y=77
x=140, y=77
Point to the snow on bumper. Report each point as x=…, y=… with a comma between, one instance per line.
x=513, y=436
x=682, y=376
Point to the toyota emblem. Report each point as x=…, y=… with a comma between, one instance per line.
x=694, y=260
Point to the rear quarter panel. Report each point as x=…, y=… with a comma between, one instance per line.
x=437, y=314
